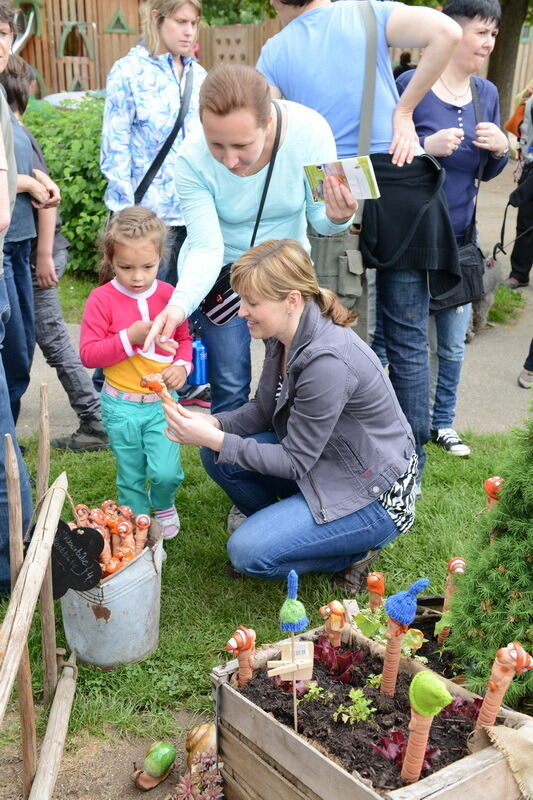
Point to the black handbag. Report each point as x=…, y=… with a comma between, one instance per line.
x=221, y=304
x=471, y=257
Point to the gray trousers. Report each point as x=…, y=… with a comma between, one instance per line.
x=52, y=337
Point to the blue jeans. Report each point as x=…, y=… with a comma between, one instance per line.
x=447, y=333
x=403, y=298
x=19, y=340
x=229, y=368
x=280, y=536
x=8, y=426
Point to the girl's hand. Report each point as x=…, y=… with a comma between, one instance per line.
x=341, y=205
x=404, y=137
x=138, y=331
x=187, y=427
x=444, y=142
x=163, y=327
x=45, y=272
x=489, y=137
x=174, y=376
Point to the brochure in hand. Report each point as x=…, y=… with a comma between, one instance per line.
x=356, y=174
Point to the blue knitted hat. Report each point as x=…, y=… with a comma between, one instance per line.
x=402, y=606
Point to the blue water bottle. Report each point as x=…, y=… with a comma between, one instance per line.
x=198, y=375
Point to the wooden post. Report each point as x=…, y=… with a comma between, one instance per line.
x=16, y=558
x=17, y=621
x=56, y=731
x=48, y=625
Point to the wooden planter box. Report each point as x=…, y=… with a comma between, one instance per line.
x=263, y=759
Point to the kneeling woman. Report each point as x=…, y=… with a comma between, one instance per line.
x=322, y=460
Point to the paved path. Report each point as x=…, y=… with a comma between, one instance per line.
x=490, y=399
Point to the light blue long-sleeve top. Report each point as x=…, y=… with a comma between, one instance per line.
x=220, y=208
x=143, y=99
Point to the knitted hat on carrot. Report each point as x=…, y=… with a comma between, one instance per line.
x=292, y=616
x=428, y=694
x=402, y=606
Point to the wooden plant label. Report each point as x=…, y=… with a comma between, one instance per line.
x=74, y=554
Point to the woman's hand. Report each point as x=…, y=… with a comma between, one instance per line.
x=39, y=195
x=188, y=427
x=404, y=137
x=54, y=194
x=174, y=376
x=444, y=142
x=341, y=205
x=163, y=327
x=489, y=137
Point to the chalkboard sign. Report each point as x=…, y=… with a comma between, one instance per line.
x=74, y=554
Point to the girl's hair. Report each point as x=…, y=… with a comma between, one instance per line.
x=7, y=15
x=279, y=266
x=165, y=8
x=230, y=87
x=487, y=10
x=16, y=79
x=125, y=227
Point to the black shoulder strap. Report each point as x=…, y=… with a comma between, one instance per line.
x=155, y=166
x=269, y=173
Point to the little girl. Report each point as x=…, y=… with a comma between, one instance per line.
x=116, y=320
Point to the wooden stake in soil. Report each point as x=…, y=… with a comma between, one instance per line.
x=46, y=597
x=509, y=661
x=292, y=618
x=16, y=558
x=456, y=566
x=428, y=696
x=375, y=583
x=401, y=608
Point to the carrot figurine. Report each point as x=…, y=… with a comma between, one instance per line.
x=428, y=696
x=82, y=513
x=242, y=645
x=456, y=566
x=335, y=619
x=401, y=609
x=375, y=583
x=154, y=381
x=509, y=661
x=142, y=523
x=97, y=521
x=492, y=488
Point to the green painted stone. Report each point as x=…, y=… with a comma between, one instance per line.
x=159, y=758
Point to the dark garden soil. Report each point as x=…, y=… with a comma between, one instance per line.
x=441, y=661
x=351, y=745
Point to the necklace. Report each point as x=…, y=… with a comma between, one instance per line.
x=453, y=94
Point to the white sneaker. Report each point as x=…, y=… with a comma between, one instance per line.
x=449, y=440
x=169, y=521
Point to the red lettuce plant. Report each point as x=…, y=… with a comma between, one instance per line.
x=393, y=748
x=340, y=665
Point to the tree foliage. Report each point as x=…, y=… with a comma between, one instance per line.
x=70, y=140
x=493, y=603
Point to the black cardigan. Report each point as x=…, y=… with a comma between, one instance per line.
x=409, y=227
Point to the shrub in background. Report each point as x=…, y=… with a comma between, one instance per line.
x=493, y=602
x=70, y=140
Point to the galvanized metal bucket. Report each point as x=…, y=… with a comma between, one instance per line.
x=117, y=622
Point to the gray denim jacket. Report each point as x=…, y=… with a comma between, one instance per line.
x=342, y=434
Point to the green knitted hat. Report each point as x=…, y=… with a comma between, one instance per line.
x=428, y=694
x=292, y=616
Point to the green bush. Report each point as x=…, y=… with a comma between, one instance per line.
x=70, y=140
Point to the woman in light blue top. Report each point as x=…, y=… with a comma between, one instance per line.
x=220, y=176
x=143, y=99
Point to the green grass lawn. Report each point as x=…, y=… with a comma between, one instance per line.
x=201, y=606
